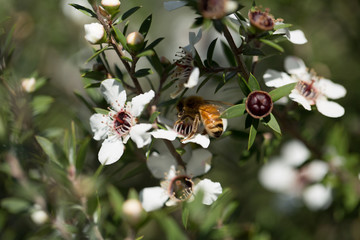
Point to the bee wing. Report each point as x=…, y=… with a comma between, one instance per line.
x=220, y=106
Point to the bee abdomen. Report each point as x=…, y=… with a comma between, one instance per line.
x=215, y=128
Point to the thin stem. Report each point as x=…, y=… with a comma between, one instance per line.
x=175, y=154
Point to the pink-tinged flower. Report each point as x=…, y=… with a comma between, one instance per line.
x=178, y=184
x=120, y=123
x=310, y=89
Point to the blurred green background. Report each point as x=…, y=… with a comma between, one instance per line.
x=49, y=40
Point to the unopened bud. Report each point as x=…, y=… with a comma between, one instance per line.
x=38, y=215
x=135, y=41
x=95, y=33
x=28, y=84
x=132, y=210
x=259, y=104
x=111, y=6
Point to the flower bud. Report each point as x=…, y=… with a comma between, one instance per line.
x=28, y=84
x=216, y=9
x=111, y=6
x=38, y=215
x=95, y=33
x=261, y=21
x=259, y=104
x=135, y=41
x=132, y=210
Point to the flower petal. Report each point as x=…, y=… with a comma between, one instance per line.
x=160, y=165
x=99, y=126
x=316, y=170
x=164, y=134
x=113, y=93
x=276, y=79
x=297, y=37
x=111, y=151
x=329, y=108
x=138, y=103
x=202, y=140
x=199, y=163
x=193, y=79
x=153, y=198
x=297, y=97
x=317, y=197
x=295, y=65
x=291, y=147
x=211, y=190
x=172, y=5
x=330, y=89
x=139, y=134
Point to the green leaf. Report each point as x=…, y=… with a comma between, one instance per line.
x=143, y=72
x=129, y=13
x=253, y=132
x=227, y=77
x=155, y=63
x=185, y=216
x=121, y=38
x=271, y=122
x=48, y=147
x=84, y=10
x=81, y=154
x=154, y=43
x=280, y=26
x=96, y=54
x=253, y=83
x=244, y=86
x=210, y=51
x=234, y=111
x=280, y=92
x=116, y=201
x=96, y=75
x=101, y=111
x=15, y=205
x=146, y=53
x=154, y=116
x=41, y=104
x=93, y=85
x=145, y=26
x=272, y=44
x=250, y=51
x=203, y=83
x=228, y=54
x=169, y=226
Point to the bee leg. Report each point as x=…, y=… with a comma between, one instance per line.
x=195, y=126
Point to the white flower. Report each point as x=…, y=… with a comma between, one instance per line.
x=94, y=33
x=28, y=84
x=110, y=3
x=120, y=123
x=317, y=197
x=178, y=184
x=38, y=215
x=295, y=36
x=310, y=89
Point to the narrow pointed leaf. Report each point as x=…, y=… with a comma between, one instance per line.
x=234, y=111
x=154, y=43
x=244, y=86
x=283, y=91
x=84, y=10
x=272, y=44
x=121, y=38
x=93, y=85
x=143, y=72
x=129, y=13
x=253, y=132
x=146, y=53
x=185, y=217
x=228, y=54
x=253, y=83
x=271, y=122
x=49, y=149
x=145, y=26
x=96, y=54
x=210, y=51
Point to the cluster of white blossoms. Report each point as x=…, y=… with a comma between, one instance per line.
x=291, y=175
x=310, y=89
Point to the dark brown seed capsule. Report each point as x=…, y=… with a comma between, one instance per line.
x=259, y=104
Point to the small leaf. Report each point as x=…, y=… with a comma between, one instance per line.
x=253, y=83
x=96, y=75
x=185, y=216
x=146, y=53
x=41, y=104
x=15, y=205
x=116, y=201
x=145, y=26
x=234, y=111
x=272, y=44
x=96, y=54
x=129, y=13
x=283, y=91
x=93, y=85
x=120, y=36
x=253, y=132
x=244, y=86
x=155, y=63
x=154, y=116
x=280, y=26
x=271, y=122
x=48, y=148
x=250, y=51
x=143, y=72
x=210, y=51
x=154, y=43
x=84, y=10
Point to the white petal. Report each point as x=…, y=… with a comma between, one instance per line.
x=139, y=134
x=193, y=79
x=295, y=65
x=113, y=93
x=316, y=170
x=295, y=153
x=276, y=79
x=94, y=32
x=277, y=176
x=99, y=126
x=202, y=140
x=172, y=5
x=329, y=108
x=199, y=163
x=193, y=39
x=153, y=198
x=330, y=89
x=284, y=31
x=164, y=134
x=160, y=164
x=297, y=97
x=297, y=37
x=138, y=103
x=211, y=190
x=317, y=197
x=111, y=150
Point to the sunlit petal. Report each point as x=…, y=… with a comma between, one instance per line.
x=275, y=78
x=295, y=65
x=330, y=89
x=164, y=134
x=99, y=126
x=202, y=140
x=193, y=79
x=139, y=134
x=317, y=197
x=138, y=103
x=111, y=151
x=297, y=37
x=295, y=146
x=153, y=198
x=329, y=108
x=113, y=93
x=297, y=97
x=211, y=190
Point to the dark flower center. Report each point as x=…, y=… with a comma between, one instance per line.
x=259, y=104
x=261, y=20
x=213, y=9
x=307, y=89
x=122, y=122
x=181, y=187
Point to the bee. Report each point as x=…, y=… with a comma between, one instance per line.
x=194, y=110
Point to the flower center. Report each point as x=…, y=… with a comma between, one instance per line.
x=183, y=127
x=261, y=20
x=122, y=122
x=259, y=104
x=212, y=8
x=181, y=187
x=307, y=89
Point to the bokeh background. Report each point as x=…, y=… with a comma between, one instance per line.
x=49, y=41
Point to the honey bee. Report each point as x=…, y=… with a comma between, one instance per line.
x=194, y=110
